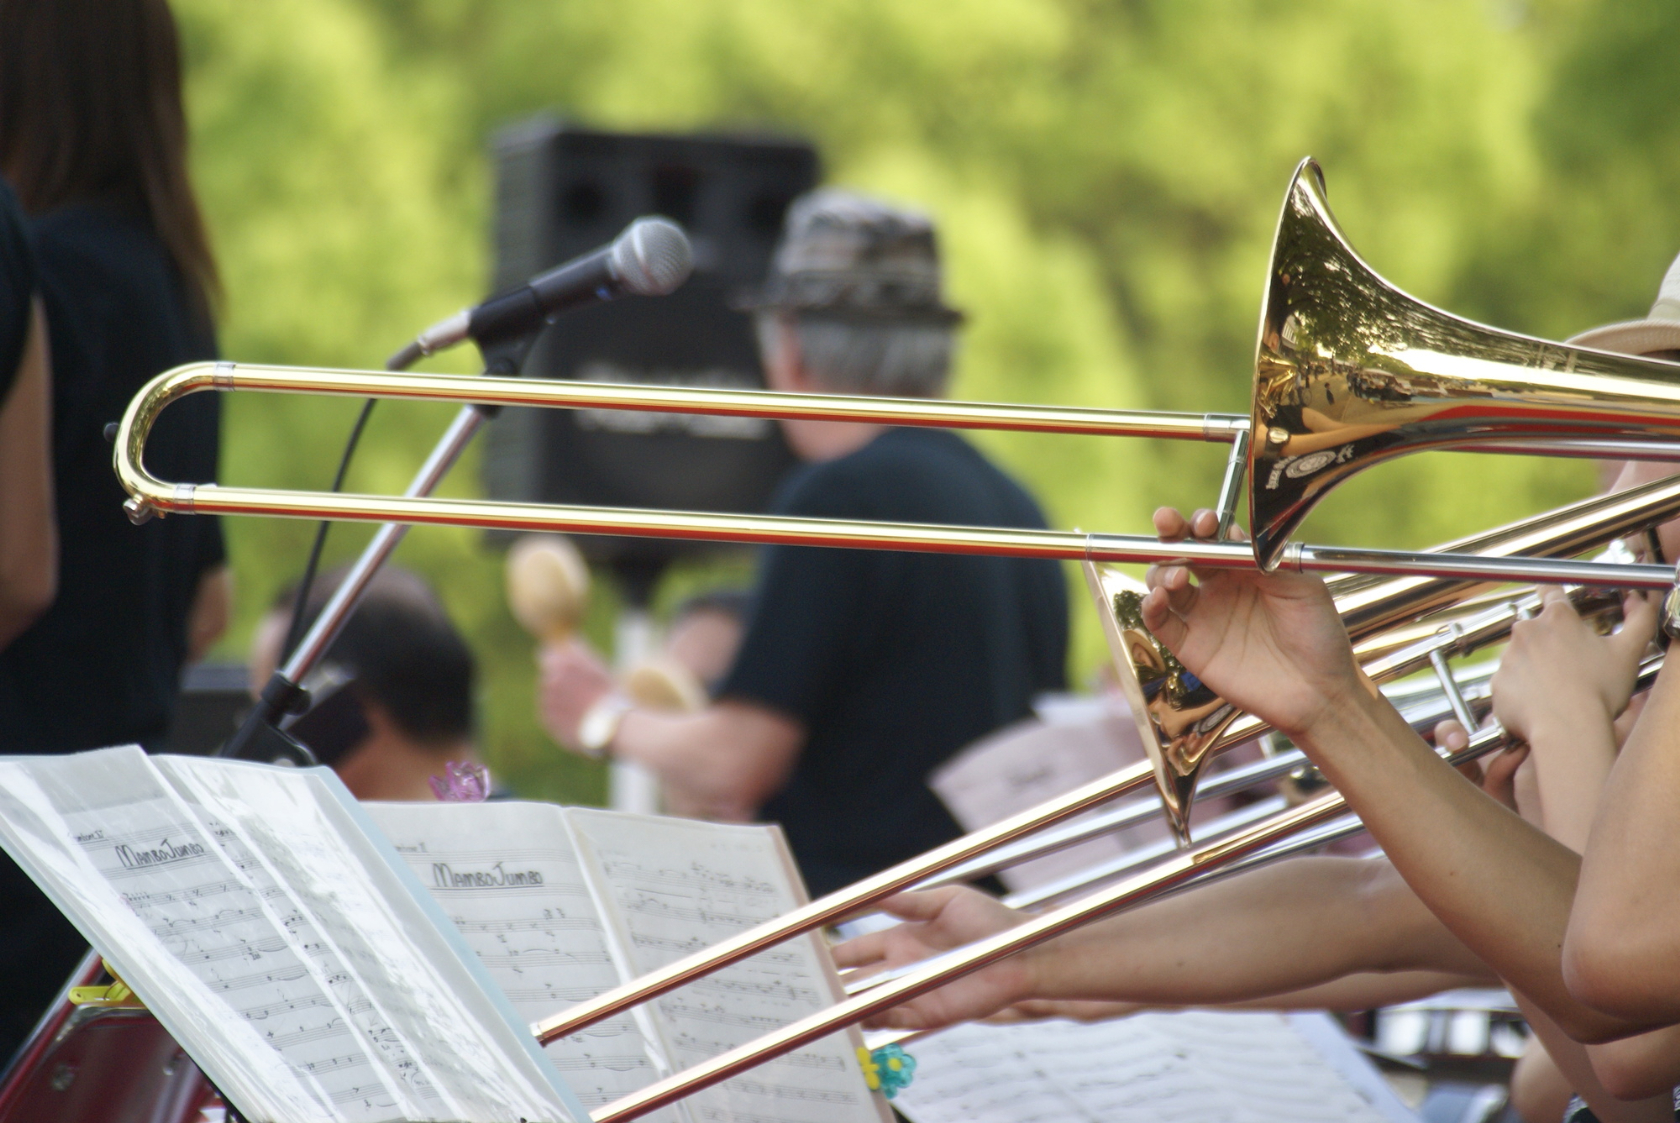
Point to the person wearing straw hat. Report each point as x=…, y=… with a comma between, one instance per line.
x=860, y=671
x=1465, y=888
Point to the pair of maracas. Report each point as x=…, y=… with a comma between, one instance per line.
x=548, y=592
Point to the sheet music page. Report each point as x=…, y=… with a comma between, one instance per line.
x=1024, y=764
x=426, y=1021
x=673, y=886
x=507, y=874
x=1193, y=1067
x=204, y=937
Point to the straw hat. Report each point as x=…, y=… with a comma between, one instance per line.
x=1660, y=331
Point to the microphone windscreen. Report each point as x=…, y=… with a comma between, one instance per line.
x=652, y=257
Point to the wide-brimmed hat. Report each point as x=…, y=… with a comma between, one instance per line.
x=1660, y=331
x=848, y=256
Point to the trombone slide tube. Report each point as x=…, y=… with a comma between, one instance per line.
x=1181, y=868
x=1148, y=808
x=150, y=494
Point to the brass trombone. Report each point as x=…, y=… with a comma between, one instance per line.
x=1349, y=371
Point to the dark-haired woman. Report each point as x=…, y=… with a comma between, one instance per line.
x=93, y=140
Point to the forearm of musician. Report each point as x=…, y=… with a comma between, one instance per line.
x=1365, y=990
x=28, y=528
x=1500, y=885
x=1622, y=1103
x=1283, y=928
x=1573, y=752
x=726, y=760
x=1622, y=954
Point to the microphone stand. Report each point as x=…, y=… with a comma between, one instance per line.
x=259, y=736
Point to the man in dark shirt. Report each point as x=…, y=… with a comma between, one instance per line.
x=861, y=671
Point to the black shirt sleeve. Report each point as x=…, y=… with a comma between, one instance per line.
x=17, y=286
x=806, y=610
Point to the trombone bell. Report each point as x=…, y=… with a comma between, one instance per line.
x=1349, y=370
x=1179, y=719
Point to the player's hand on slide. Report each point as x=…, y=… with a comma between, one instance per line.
x=937, y=920
x=1557, y=666
x=1501, y=775
x=1269, y=643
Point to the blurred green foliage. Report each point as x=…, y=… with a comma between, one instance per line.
x=1106, y=172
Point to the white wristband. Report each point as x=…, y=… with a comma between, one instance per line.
x=600, y=724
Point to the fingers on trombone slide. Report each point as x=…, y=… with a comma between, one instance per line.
x=1177, y=593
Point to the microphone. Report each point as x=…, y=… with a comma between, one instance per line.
x=651, y=258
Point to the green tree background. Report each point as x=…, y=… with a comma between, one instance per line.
x=1106, y=173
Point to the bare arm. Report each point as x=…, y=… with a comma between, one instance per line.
x=1365, y=990
x=28, y=528
x=1560, y=687
x=1623, y=949
x=720, y=763
x=725, y=761
x=1582, y=1071
x=1273, y=645
x=1280, y=929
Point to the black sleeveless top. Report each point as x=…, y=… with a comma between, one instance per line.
x=102, y=666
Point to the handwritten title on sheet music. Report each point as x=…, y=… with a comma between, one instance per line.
x=164, y=851
x=445, y=876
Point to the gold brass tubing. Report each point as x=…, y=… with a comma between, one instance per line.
x=148, y=491
x=1181, y=867
x=838, y=905
x=489, y=390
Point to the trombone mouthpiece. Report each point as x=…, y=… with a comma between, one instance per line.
x=652, y=257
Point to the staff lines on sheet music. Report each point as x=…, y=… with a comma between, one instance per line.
x=626, y=870
x=221, y=920
x=655, y=903
x=192, y=894
x=547, y=926
x=728, y=983
x=715, y=1014
x=588, y=1062
x=789, y=1092
x=363, y=1018
x=348, y=944
x=177, y=915
x=514, y=959
x=733, y=1115
x=694, y=943
x=706, y=1047
x=544, y=933
x=667, y=906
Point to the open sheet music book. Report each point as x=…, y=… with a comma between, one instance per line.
x=277, y=935
x=1194, y=1067
x=563, y=903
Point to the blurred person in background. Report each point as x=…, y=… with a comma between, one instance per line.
x=28, y=535
x=392, y=701
x=860, y=671
x=93, y=140
x=705, y=634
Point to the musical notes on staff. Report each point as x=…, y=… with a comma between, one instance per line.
x=676, y=886
x=254, y=916
x=537, y=931
x=1255, y=1067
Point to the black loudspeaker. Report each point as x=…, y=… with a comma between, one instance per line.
x=562, y=191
